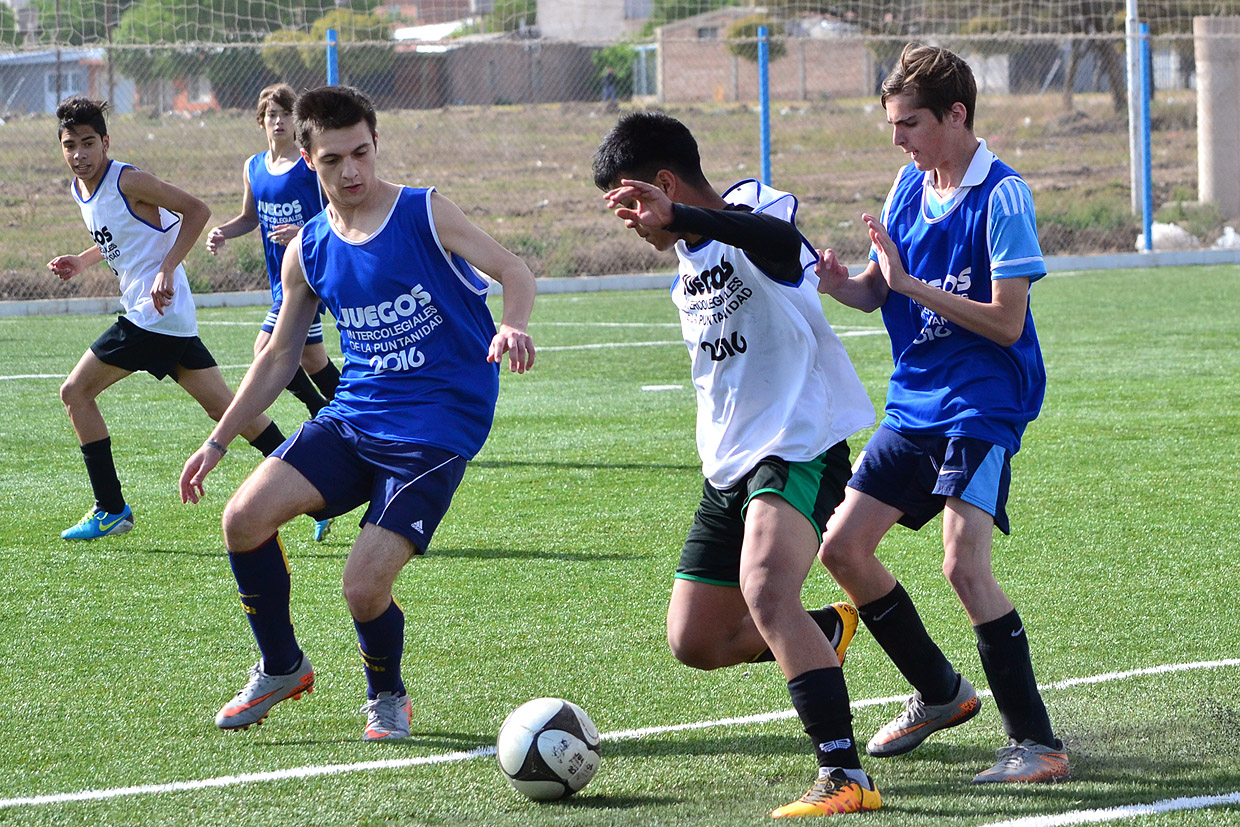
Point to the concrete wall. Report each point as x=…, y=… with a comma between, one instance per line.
x=814, y=68
x=519, y=71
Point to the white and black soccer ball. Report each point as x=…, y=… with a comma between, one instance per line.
x=548, y=748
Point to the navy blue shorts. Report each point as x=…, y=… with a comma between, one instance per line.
x=409, y=486
x=313, y=337
x=917, y=474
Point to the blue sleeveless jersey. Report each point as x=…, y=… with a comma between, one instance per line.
x=414, y=330
x=948, y=380
x=292, y=197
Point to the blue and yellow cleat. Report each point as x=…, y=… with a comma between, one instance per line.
x=322, y=528
x=99, y=523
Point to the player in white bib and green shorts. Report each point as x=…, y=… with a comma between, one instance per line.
x=777, y=400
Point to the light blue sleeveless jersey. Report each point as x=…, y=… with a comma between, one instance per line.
x=414, y=330
x=292, y=197
x=948, y=380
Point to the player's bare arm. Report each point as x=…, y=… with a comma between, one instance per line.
x=461, y=236
x=146, y=194
x=1002, y=319
x=240, y=224
x=66, y=267
x=865, y=291
x=271, y=371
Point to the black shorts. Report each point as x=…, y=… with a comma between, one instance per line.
x=712, y=551
x=126, y=346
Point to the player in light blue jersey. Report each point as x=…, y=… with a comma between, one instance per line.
x=281, y=194
x=396, y=268
x=952, y=262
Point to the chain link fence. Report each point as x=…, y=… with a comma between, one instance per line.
x=500, y=104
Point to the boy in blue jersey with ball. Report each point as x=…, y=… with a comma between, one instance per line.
x=396, y=268
x=953, y=257
x=281, y=194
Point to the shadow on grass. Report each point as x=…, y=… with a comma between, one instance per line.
x=463, y=553
x=585, y=801
x=590, y=466
x=218, y=552
x=530, y=554
x=417, y=742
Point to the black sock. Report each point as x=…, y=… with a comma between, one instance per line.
x=828, y=620
x=326, y=380
x=269, y=440
x=895, y=624
x=821, y=700
x=101, y=470
x=1004, y=649
x=263, y=582
x=305, y=391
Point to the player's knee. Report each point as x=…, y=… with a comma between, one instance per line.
x=71, y=394
x=692, y=651
x=366, y=599
x=768, y=599
x=214, y=409
x=966, y=577
x=838, y=554
x=244, y=526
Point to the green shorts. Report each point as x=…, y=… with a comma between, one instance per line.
x=712, y=551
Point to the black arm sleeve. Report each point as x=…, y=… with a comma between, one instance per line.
x=771, y=243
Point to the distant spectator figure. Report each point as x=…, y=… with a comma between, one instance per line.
x=609, y=86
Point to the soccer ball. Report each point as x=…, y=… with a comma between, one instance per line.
x=548, y=748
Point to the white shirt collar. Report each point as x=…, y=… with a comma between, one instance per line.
x=978, y=169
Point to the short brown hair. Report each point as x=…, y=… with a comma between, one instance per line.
x=331, y=107
x=935, y=78
x=281, y=94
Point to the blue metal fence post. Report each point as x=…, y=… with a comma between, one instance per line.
x=764, y=102
x=1147, y=167
x=333, y=70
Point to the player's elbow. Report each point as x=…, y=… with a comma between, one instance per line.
x=1009, y=335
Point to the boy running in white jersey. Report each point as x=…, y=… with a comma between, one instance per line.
x=777, y=400
x=396, y=268
x=952, y=261
x=133, y=218
x=280, y=195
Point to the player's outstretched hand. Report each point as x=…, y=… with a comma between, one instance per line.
x=831, y=274
x=888, y=256
x=195, y=471
x=636, y=202
x=65, y=267
x=517, y=344
x=215, y=241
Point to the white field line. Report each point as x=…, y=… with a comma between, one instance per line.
x=208, y=323
x=480, y=752
x=843, y=334
x=1196, y=802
